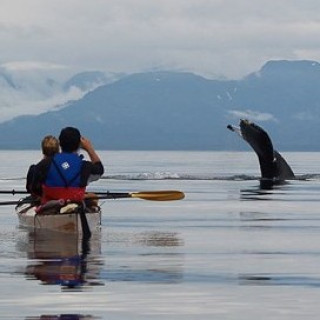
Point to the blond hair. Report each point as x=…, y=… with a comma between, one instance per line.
x=50, y=146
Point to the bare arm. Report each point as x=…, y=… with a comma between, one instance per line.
x=92, y=170
x=86, y=145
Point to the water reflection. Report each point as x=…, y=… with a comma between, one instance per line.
x=62, y=259
x=261, y=220
x=67, y=261
x=151, y=256
x=63, y=317
x=254, y=194
x=279, y=280
x=262, y=193
x=158, y=239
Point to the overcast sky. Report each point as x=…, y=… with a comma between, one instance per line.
x=208, y=37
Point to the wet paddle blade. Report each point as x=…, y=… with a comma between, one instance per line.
x=166, y=195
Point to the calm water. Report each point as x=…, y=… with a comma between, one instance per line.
x=227, y=251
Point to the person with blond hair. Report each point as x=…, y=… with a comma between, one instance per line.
x=49, y=147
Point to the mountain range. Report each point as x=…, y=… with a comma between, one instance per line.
x=38, y=90
x=184, y=111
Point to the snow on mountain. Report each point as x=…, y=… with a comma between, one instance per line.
x=89, y=80
x=33, y=91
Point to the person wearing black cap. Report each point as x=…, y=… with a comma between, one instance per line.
x=66, y=175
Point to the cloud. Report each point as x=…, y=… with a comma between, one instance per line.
x=13, y=104
x=31, y=65
x=209, y=37
x=252, y=115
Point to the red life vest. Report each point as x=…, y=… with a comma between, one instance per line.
x=65, y=193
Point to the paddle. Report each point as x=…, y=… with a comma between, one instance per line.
x=9, y=203
x=165, y=195
x=84, y=223
x=162, y=195
x=13, y=192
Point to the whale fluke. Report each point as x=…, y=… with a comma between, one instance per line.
x=272, y=165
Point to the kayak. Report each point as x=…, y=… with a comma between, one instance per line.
x=73, y=217
x=58, y=216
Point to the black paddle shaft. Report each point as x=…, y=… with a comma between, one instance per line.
x=84, y=222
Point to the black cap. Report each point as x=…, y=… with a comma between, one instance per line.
x=69, y=139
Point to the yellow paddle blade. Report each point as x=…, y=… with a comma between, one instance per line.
x=166, y=195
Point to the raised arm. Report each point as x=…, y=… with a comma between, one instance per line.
x=86, y=145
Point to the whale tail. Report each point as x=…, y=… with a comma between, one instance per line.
x=272, y=165
x=284, y=172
